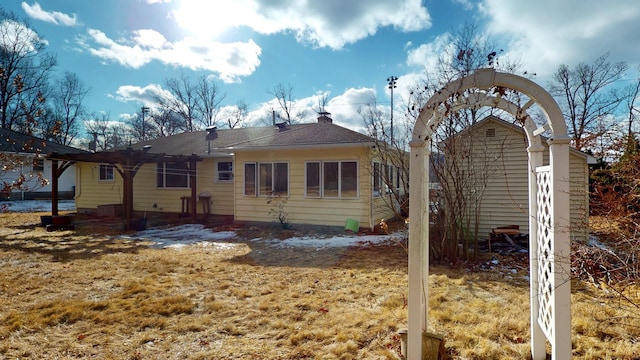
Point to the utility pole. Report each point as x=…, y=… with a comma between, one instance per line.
x=145, y=109
x=392, y=84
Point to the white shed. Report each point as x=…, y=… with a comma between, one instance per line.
x=496, y=160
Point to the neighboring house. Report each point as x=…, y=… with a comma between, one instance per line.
x=23, y=160
x=316, y=173
x=495, y=159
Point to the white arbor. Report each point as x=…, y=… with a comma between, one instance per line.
x=549, y=240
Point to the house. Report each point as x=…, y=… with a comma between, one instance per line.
x=315, y=173
x=495, y=161
x=24, y=161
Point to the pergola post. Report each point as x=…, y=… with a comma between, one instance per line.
x=561, y=248
x=418, y=248
x=538, y=344
x=54, y=187
x=192, y=185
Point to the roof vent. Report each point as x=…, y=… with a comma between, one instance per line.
x=490, y=133
x=282, y=125
x=324, y=117
x=211, y=132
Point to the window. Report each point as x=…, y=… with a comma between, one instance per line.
x=266, y=179
x=273, y=179
x=224, y=171
x=38, y=164
x=385, y=178
x=173, y=175
x=377, y=179
x=250, y=179
x=312, y=180
x=332, y=179
x=348, y=179
x=106, y=172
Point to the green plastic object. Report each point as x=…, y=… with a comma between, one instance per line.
x=352, y=225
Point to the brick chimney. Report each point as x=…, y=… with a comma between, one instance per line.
x=324, y=118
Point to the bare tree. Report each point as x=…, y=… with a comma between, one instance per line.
x=323, y=100
x=105, y=133
x=183, y=101
x=68, y=109
x=142, y=125
x=391, y=165
x=586, y=95
x=208, y=102
x=459, y=182
x=286, y=101
x=238, y=115
x=632, y=96
x=166, y=122
x=24, y=73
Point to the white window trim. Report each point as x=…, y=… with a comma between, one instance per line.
x=255, y=179
x=321, y=174
x=217, y=172
x=113, y=173
x=272, y=178
x=306, y=174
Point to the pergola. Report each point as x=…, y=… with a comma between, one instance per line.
x=127, y=162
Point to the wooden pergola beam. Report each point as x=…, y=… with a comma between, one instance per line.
x=127, y=162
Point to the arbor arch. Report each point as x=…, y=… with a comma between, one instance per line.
x=549, y=244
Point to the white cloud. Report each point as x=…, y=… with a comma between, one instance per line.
x=230, y=60
x=35, y=11
x=426, y=56
x=344, y=107
x=15, y=33
x=547, y=33
x=147, y=95
x=322, y=23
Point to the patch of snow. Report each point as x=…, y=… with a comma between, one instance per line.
x=182, y=235
x=336, y=241
x=37, y=205
x=196, y=234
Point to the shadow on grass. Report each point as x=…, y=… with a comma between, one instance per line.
x=265, y=253
x=64, y=246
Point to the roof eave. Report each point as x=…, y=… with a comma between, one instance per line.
x=301, y=147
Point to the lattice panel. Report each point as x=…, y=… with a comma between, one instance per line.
x=545, y=252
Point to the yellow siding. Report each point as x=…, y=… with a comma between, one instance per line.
x=91, y=192
x=146, y=195
x=301, y=210
x=227, y=198
x=505, y=200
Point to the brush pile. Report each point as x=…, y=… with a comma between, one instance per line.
x=598, y=262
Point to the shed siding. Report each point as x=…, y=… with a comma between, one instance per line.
x=506, y=196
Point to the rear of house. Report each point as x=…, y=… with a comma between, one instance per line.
x=316, y=174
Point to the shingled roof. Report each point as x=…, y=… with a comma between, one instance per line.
x=15, y=142
x=295, y=136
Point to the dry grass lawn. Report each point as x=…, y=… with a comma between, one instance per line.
x=85, y=294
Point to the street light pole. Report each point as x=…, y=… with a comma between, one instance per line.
x=392, y=84
x=145, y=109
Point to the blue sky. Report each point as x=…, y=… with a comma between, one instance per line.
x=124, y=49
